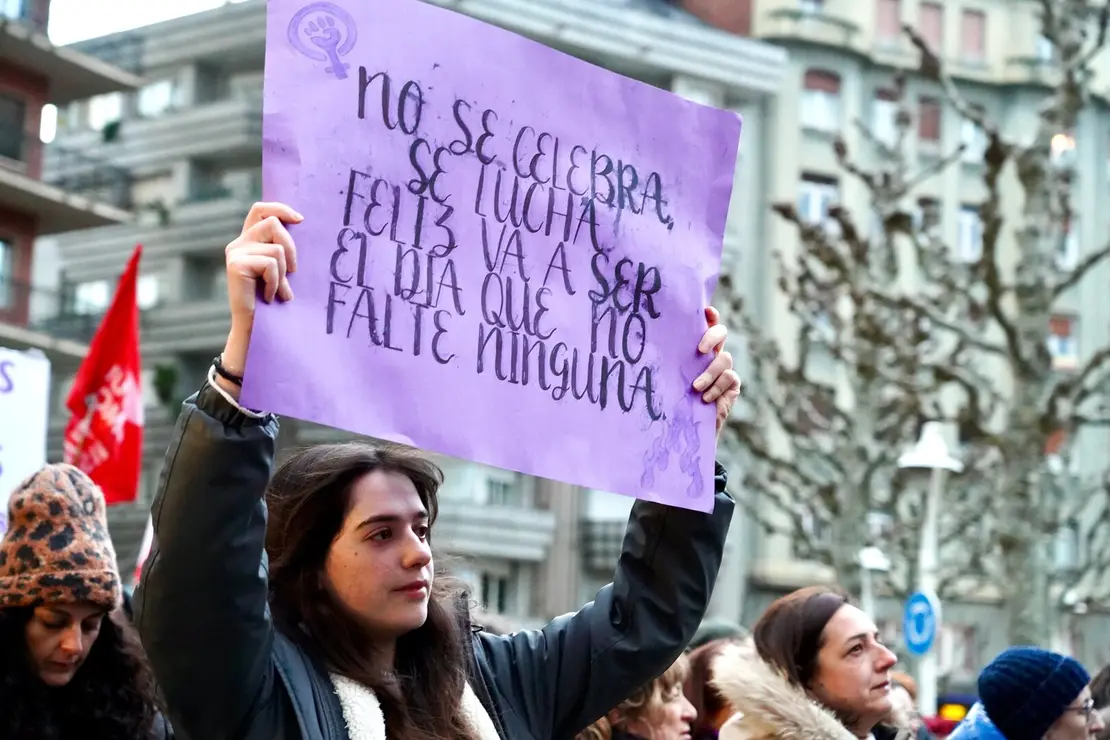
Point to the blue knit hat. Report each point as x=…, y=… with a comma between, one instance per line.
x=1026, y=689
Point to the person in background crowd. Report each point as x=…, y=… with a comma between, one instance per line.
x=819, y=671
x=1100, y=694
x=712, y=709
x=905, y=712
x=1027, y=693
x=70, y=662
x=716, y=629
x=304, y=602
x=657, y=711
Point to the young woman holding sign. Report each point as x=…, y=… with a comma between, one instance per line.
x=303, y=603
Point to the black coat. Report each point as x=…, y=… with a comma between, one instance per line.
x=227, y=674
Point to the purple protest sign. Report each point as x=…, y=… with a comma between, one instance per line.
x=506, y=251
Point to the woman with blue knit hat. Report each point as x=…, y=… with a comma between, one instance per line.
x=1027, y=693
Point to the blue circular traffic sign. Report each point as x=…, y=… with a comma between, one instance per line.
x=921, y=622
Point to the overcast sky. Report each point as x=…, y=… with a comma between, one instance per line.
x=77, y=20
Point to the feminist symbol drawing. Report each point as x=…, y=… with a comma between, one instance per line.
x=324, y=32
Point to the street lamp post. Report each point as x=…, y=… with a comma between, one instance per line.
x=871, y=560
x=930, y=453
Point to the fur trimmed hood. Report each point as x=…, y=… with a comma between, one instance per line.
x=768, y=706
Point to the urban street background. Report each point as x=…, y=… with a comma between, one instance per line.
x=914, y=259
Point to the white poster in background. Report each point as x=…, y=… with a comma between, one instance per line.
x=24, y=412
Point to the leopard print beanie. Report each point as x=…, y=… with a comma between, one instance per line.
x=57, y=549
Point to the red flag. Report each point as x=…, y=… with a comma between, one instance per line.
x=104, y=436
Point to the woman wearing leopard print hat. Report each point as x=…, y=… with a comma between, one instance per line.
x=70, y=662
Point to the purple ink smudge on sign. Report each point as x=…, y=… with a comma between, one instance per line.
x=379, y=376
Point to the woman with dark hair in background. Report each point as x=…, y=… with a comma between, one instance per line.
x=713, y=710
x=819, y=671
x=70, y=662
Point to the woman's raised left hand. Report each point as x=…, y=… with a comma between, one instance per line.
x=719, y=383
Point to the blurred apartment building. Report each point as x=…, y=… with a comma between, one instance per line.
x=843, y=55
x=190, y=140
x=34, y=310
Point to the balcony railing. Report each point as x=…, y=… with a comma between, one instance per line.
x=45, y=310
x=91, y=177
x=83, y=175
x=124, y=51
x=29, y=12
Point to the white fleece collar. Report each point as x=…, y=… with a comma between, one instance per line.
x=365, y=721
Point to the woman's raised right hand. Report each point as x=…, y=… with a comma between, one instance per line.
x=264, y=251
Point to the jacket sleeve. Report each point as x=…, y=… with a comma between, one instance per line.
x=560, y=679
x=201, y=607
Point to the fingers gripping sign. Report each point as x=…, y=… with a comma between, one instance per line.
x=264, y=250
x=719, y=383
x=264, y=253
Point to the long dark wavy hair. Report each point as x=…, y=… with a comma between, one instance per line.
x=112, y=695
x=307, y=502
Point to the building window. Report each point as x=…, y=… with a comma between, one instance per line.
x=821, y=100
x=928, y=119
x=1063, y=344
x=497, y=593
x=1053, y=449
x=156, y=98
x=91, y=298
x=884, y=119
x=889, y=20
x=105, y=109
x=1045, y=50
x=7, y=274
x=501, y=491
x=1063, y=150
x=150, y=392
x=931, y=26
x=1067, y=546
x=815, y=197
x=969, y=241
x=16, y=9
x=147, y=291
x=974, y=141
x=1067, y=256
x=927, y=217
x=13, y=118
x=973, y=35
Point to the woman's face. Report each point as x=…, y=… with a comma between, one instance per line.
x=1079, y=721
x=380, y=565
x=853, y=669
x=59, y=639
x=671, y=721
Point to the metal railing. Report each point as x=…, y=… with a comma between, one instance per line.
x=45, y=310
x=124, y=51
x=90, y=177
